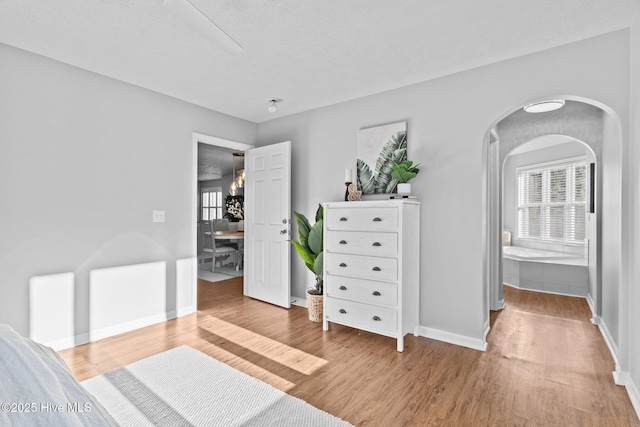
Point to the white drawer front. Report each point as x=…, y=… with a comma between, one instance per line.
x=363, y=243
x=367, y=316
x=359, y=290
x=380, y=219
x=366, y=267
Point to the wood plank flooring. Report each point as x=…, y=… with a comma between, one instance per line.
x=546, y=365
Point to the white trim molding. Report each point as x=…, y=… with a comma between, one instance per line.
x=592, y=306
x=608, y=339
x=451, y=338
x=634, y=395
x=623, y=378
x=219, y=142
x=299, y=301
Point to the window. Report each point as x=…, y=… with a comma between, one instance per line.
x=211, y=199
x=552, y=203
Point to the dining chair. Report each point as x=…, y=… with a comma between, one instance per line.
x=209, y=246
x=223, y=225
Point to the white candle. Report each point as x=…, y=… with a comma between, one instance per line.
x=348, y=175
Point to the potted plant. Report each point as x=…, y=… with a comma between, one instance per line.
x=310, y=248
x=403, y=172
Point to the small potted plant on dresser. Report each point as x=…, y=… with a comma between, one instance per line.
x=403, y=172
x=310, y=248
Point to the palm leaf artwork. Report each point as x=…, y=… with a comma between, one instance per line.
x=395, y=150
x=366, y=180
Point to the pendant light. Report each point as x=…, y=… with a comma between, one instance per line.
x=238, y=180
x=233, y=189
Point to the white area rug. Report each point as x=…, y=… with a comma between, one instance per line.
x=220, y=273
x=184, y=387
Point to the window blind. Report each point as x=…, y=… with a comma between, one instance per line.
x=552, y=202
x=211, y=201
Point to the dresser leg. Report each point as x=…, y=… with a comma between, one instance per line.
x=401, y=344
x=325, y=324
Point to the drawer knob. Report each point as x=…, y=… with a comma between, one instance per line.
x=343, y=311
x=376, y=318
x=376, y=269
x=377, y=219
x=343, y=219
x=376, y=293
x=342, y=264
x=343, y=242
x=376, y=244
x=343, y=288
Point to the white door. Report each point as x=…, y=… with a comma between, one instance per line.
x=267, y=223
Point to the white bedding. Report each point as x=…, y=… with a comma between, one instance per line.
x=37, y=388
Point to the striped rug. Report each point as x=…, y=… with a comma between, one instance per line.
x=184, y=387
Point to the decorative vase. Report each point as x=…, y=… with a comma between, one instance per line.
x=404, y=188
x=314, y=305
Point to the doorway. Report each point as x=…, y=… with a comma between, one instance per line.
x=599, y=129
x=215, y=169
x=549, y=222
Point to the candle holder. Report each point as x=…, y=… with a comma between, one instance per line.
x=346, y=193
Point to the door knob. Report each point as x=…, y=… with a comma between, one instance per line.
x=283, y=231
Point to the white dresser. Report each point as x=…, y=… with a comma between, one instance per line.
x=372, y=266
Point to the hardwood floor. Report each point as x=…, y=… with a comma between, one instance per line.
x=546, y=365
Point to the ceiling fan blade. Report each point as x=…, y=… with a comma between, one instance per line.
x=190, y=15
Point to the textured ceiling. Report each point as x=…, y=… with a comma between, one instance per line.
x=308, y=53
x=214, y=162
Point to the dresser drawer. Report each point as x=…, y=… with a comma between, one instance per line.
x=362, y=243
x=365, y=267
x=367, y=316
x=380, y=219
x=367, y=291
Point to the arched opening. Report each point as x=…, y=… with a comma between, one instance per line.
x=594, y=126
x=549, y=220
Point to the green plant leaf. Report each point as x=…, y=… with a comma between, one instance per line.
x=308, y=258
x=405, y=171
x=317, y=265
x=315, y=237
x=366, y=180
x=303, y=229
x=319, y=213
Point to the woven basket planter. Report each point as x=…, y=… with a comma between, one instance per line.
x=314, y=304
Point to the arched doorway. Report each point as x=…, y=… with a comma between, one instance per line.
x=599, y=128
x=549, y=219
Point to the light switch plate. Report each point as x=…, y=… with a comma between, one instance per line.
x=158, y=216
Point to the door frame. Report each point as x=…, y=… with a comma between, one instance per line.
x=218, y=142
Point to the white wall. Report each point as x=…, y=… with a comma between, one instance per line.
x=447, y=122
x=84, y=159
x=634, y=202
x=611, y=226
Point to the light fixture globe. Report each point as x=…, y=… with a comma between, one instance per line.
x=544, y=106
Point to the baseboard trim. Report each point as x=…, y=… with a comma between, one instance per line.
x=185, y=311
x=451, y=338
x=634, y=395
x=591, y=305
x=487, y=328
x=608, y=339
x=64, y=343
x=300, y=302
x=543, y=291
x=110, y=331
